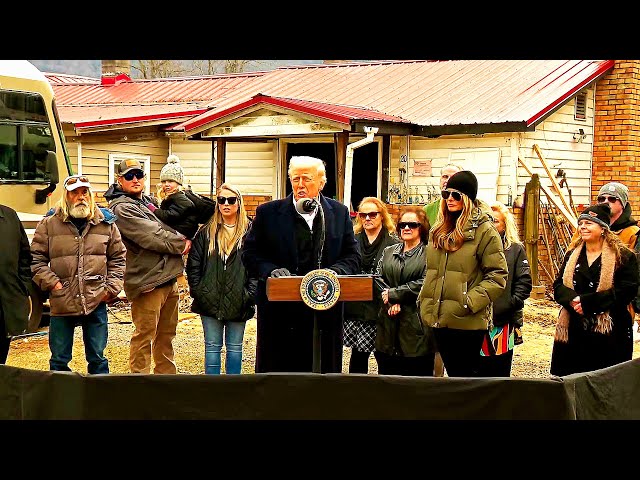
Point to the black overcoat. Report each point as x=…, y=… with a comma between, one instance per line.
x=587, y=350
x=284, y=341
x=15, y=273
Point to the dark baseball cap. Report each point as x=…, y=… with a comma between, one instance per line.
x=127, y=165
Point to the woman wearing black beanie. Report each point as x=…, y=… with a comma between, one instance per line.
x=466, y=273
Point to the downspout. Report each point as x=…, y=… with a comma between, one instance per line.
x=348, y=167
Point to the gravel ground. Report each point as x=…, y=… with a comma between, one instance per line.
x=531, y=359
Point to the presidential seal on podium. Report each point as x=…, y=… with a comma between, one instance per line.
x=320, y=289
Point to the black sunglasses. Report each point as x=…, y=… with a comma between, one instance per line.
x=411, y=225
x=139, y=174
x=228, y=200
x=457, y=196
x=606, y=198
x=369, y=215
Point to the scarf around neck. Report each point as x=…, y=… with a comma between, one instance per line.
x=369, y=251
x=604, y=322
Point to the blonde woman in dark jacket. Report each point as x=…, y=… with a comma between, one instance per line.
x=496, y=355
x=222, y=290
x=374, y=230
x=466, y=272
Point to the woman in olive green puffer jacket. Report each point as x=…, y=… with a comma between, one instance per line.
x=466, y=272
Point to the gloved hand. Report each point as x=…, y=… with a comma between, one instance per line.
x=151, y=207
x=280, y=272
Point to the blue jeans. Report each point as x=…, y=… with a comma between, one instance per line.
x=94, y=333
x=233, y=337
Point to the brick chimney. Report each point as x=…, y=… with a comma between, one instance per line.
x=115, y=71
x=114, y=67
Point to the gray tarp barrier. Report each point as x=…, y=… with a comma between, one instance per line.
x=42, y=395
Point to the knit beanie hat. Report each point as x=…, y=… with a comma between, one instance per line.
x=172, y=170
x=464, y=181
x=599, y=213
x=618, y=190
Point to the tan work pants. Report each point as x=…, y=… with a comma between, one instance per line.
x=155, y=316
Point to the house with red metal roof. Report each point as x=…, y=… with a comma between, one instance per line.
x=384, y=128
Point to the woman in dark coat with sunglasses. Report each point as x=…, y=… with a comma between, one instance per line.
x=374, y=230
x=223, y=291
x=404, y=346
x=466, y=273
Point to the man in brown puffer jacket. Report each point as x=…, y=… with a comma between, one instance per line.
x=79, y=258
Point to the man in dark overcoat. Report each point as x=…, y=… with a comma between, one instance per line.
x=15, y=278
x=283, y=242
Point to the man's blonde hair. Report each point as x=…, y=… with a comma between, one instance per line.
x=309, y=162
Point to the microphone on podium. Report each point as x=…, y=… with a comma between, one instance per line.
x=306, y=205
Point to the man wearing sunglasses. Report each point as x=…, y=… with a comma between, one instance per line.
x=622, y=223
x=154, y=263
x=79, y=258
x=285, y=241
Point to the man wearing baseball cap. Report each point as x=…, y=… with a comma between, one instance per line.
x=79, y=258
x=154, y=262
x=622, y=223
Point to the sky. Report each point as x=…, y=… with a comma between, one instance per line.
x=92, y=68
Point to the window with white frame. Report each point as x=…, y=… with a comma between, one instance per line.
x=145, y=160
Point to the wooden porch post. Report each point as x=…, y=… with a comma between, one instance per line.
x=221, y=161
x=386, y=158
x=340, y=140
x=531, y=208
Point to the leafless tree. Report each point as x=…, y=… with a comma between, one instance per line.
x=175, y=68
x=158, y=68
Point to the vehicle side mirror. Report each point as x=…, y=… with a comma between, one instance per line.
x=51, y=167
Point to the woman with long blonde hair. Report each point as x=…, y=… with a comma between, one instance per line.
x=223, y=291
x=595, y=287
x=504, y=332
x=466, y=273
x=374, y=230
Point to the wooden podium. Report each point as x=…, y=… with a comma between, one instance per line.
x=287, y=289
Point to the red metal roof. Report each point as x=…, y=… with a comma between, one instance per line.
x=338, y=113
x=424, y=93
x=160, y=90
x=64, y=78
x=109, y=115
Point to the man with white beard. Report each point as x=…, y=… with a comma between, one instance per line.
x=79, y=258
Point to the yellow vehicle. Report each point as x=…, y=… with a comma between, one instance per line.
x=33, y=155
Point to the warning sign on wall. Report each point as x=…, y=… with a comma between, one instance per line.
x=422, y=168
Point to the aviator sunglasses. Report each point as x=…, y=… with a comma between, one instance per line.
x=606, y=198
x=411, y=225
x=228, y=200
x=139, y=174
x=72, y=180
x=368, y=215
x=457, y=196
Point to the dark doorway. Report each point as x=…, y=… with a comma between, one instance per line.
x=364, y=178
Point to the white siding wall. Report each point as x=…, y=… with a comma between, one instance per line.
x=195, y=158
x=554, y=137
x=95, y=158
x=249, y=165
